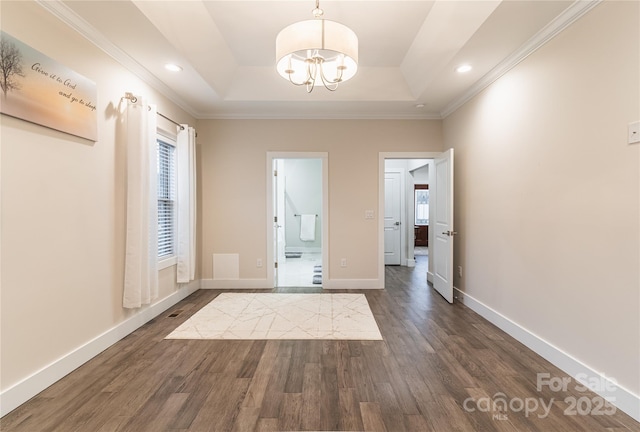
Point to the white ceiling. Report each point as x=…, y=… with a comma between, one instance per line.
x=408, y=51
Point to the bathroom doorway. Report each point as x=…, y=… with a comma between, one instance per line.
x=298, y=220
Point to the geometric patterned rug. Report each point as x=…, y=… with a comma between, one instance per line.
x=282, y=316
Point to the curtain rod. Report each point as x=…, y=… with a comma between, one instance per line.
x=134, y=99
x=172, y=121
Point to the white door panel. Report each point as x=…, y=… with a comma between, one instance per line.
x=443, y=226
x=392, y=213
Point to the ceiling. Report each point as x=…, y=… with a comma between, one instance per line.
x=408, y=51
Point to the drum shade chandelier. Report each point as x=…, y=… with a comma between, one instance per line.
x=317, y=50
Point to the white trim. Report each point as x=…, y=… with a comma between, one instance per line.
x=323, y=116
x=165, y=137
x=622, y=398
x=232, y=284
x=24, y=390
x=163, y=263
x=353, y=284
x=235, y=284
x=167, y=134
x=559, y=23
x=302, y=249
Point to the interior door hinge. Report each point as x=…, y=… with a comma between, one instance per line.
x=275, y=173
x=275, y=264
x=275, y=219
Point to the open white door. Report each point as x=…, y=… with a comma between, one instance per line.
x=279, y=219
x=443, y=225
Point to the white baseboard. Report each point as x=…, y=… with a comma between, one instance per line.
x=353, y=284
x=622, y=398
x=262, y=284
x=410, y=262
x=303, y=249
x=24, y=390
x=235, y=284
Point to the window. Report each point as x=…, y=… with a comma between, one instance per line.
x=422, y=205
x=166, y=198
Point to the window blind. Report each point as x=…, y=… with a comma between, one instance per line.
x=166, y=199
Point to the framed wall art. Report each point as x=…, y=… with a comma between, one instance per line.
x=36, y=88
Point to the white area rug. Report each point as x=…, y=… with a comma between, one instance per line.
x=282, y=316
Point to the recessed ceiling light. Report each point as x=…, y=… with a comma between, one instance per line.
x=172, y=67
x=419, y=105
x=463, y=68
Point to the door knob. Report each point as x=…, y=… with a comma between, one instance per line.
x=450, y=233
x=397, y=223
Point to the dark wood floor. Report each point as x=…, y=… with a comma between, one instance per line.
x=435, y=370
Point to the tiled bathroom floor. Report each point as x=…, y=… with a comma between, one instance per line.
x=298, y=272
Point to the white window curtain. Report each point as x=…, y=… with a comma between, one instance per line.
x=186, y=191
x=141, y=256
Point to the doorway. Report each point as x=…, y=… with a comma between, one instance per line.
x=405, y=220
x=440, y=228
x=298, y=219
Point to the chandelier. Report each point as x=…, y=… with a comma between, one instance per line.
x=317, y=50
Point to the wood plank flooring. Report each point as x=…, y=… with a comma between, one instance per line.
x=439, y=368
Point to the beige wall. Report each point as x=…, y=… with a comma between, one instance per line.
x=233, y=174
x=547, y=193
x=63, y=210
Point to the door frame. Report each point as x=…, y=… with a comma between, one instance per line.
x=270, y=260
x=381, y=167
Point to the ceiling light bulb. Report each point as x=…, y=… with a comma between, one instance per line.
x=463, y=68
x=172, y=67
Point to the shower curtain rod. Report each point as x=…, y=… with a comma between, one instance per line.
x=134, y=99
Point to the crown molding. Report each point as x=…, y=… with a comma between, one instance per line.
x=351, y=116
x=575, y=11
x=73, y=20
x=571, y=14
x=61, y=11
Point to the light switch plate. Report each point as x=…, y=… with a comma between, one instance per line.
x=634, y=132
